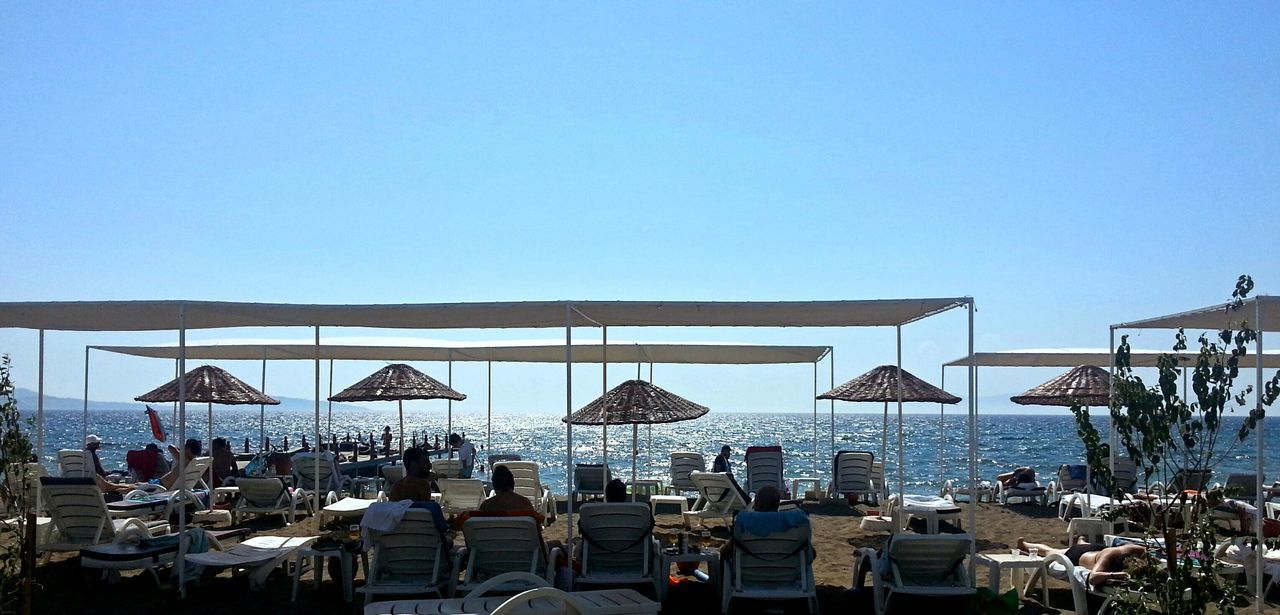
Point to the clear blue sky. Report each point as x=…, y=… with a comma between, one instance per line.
x=1070, y=166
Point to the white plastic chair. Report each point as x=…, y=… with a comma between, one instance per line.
x=268, y=496
x=589, y=479
x=328, y=482
x=410, y=559
x=922, y=565
x=719, y=497
x=496, y=545
x=460, y=495
x=80, y=518
x=852, y=474
x=447, y=468
x=682, y=464
x=618, y=546
x=764, y=468
x=777, y=566
x=75, y=464
x=530, y=486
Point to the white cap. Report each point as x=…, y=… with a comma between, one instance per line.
x=92, y=439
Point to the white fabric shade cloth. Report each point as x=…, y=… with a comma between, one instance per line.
x=1072, y=357
x=534, y=351
x=163, y=315
x=1263, y=308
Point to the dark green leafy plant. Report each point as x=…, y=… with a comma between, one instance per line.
x=1164, y=434
x=15, y=450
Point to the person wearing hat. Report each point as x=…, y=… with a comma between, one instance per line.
x=721, y=464
x=91, y=445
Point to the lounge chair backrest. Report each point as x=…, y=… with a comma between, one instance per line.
x=1071, y=477
x=1185, y=479
x=412, y=552
x=779, y=559
x=720, y=491
x=461, y=494
x=503, y=544
x=877, y=475
x=929, y=560
x=392, y=473
x=1243, y=486
x=616, y=537
x=261, y=492
x=74, y=464
x=502, y=457
x=447, y=468
x=853, y=472
x=194, y=472
x=764, y=468
x=304, y=472
x=14, y=479
x=527, y=481
x=1126, y=474
x=682, y=463
x=78, y=510
x=590, y=478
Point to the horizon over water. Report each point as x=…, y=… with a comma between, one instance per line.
x=1042, y=441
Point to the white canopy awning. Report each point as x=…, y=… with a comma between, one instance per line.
x=1216, y=317
x=1072, y=357
x=163, y=315
x=534, y=351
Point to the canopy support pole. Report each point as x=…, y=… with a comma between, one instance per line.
x=262, y=408
x=942, y=433
x=209, y=443
x=315, y=448
x=902, y=484
x=815, y=412
x=884, y=447
x=400, y=408
x=40, y=394
x=329, y=429
x=182, y=437
x=973, y=445
x=568, y=413
x=832, y=351
x=488, y=437
x=1261, y=503
x=648, y=447
x=448, y=437
x=635, y=454
x=85, y=436
x=1111, y=426
x=604, y=390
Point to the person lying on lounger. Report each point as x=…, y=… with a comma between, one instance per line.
x=1105, y=563
x=1017, y=477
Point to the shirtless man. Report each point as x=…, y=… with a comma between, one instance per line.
x=1106, y=563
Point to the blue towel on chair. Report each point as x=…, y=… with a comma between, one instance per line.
x=766, y=523
x=1077, y=472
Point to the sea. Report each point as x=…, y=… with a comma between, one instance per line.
x=932, y=452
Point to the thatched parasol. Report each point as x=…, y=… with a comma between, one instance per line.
x=397, y=382
x=881, y=385
x=1087, y=385
x=636, y=402
x=212, y=385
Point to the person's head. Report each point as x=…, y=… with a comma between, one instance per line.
x=386, y=429
x=1214, y=497
x=767, y=499
x=416, y=462
x=725, y=451
x=192, y=446
x=152, y=447
x=219, y=444
x=615, y=491
x=92, y=442
x=503, y=480
x=455, y=439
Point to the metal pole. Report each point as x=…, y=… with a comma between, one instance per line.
x=1261, y=503
x=1111, y=426
x=568, y=412
x=450, y=425
x=209, y=443
x=262, y=408
x=329, y=429
x=315, y=449
x=973, y=444
x=400, y=407
x=832, y=351
x=40, y=396
x=488, y=437
x=884, y=440
x=902, y=480
x=182, y=437
x=635, y=444
x=604, y=390
x=942, y=433
x=815, y=412
x=84, y=436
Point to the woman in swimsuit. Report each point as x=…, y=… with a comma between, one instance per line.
x=1106, y=563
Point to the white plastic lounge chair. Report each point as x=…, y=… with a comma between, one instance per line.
x=74, y=464
x=877, y=481
x=1087, y=505
x=1022, y=492
x=392, y=473
x=24, y=478
x=257, y=556
x=193, y=474
x=719, y=497
x=1070, y=479
x=959, y=488
x=460, y=495
x=502, y=544
x=932, y=510
x=502, y=457
x=852, y=475
x=916, y=565
x=329, y=482
x=528, y=485
x=1126, y=474
x=776, y=565
x=599, y=602
x=347, y=507
x=682, y=464
x=589, y=480
x=80, y=518
x=268, y=496
x=410, y=559
x=447, y=468
x=618, y=546
x=764, y=468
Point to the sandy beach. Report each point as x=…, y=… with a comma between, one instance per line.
x=65, y=588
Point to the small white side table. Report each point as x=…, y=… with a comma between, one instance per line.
x=710, y=557
x=1016, y=565
x=317, y=567
x=675, y=500
x=816, y=483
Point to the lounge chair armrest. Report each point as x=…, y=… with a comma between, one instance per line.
x=508, y=577
x=552, y=557
x=869, y=555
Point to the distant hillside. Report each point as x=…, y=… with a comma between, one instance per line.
x=27, y=402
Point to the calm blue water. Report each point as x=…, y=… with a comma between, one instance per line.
x=1006, y=441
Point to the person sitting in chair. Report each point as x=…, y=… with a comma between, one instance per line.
x=615, y=491
x=416, y=484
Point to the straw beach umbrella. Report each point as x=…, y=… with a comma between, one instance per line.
x=881, y=385
x=398, y=382
x=1087, y=385
x=636, y=402
x=211, y=385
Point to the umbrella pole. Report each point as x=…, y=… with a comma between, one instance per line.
x=604, y=390
x=330, y=428
x=488, y=433
x=209, y=443
x=635, y=439
x=400, y=405
x=884, y=447
x=262, y=408
x=448, y=436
